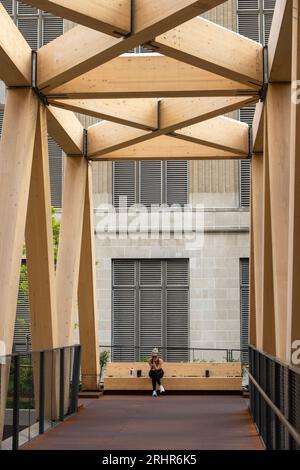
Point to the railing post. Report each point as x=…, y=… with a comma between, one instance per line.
x=42, y=394
x=16, y=402
x=75, y=379
x=62, y=385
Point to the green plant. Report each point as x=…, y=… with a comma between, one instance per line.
x=26, y=380
x=104, y=358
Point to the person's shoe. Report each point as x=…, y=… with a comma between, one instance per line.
x=161, y=389
x=154, y=394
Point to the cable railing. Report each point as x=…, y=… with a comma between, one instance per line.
x=41, y=389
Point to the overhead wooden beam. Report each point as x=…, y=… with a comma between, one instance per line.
x=167, y=148
x=108, y=16
x=204, y=44
x=280, y=42
x=82, y=49
x=146, y=76
x=278, y=121
x=39, y=245
x=66, y=130
x=107, y=137
x=87, y=300
x=220, y=133
x=15, y=53
x=69, y=250
x=149, y=114
x=139, y=113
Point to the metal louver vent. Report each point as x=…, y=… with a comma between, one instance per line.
x=22, y=325
x=249, y=25
x=268, y=18
x=1, y=119
x=124, y=183
x=245, y=183
x=56, y=171
x=153, y=311
x=8, y=5
x=269, y=4
x=150, y=182
x=177, y=182
x=150, y=273
x=26, y=9
x=247, y=4
x=244, y=306
x=29, y=29
x=53, y=27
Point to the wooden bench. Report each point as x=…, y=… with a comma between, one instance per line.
x=178, y=377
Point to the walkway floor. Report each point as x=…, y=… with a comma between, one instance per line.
x=168, y=422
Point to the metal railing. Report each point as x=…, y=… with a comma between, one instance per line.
x=42, y=389
x=127, y=353
x=275, y=400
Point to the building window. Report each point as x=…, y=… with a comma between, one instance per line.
x=244, y=302
x=254, y=19
x=150, y=182
x=150, y=308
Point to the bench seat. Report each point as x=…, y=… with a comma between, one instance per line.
x=178, y=377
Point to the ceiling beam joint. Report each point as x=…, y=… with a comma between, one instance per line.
x=43, y=98
x=263, y=91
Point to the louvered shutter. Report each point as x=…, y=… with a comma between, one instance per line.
x=1, y=119
x=150, y=182
x=269, y=4
x=247, y=4
x=8, y=5
x=249, y=24
x=268, y=18
x=177, y=182
x=244, y=307
x=56, y=171
x=29, y=29
x=124, y=310
x=150, y=306
x=177, y=301
x=22, y=325
x=53, y=27
x=246, y=115
x=23, y=9
x=124, y=182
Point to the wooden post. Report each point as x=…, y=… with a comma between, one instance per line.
x=293, y=320
x=40, y=267
x=16, y=152
x=67, y=272
x=278, y=127
x=268, y=320
x=256, y=220
x=87, y=302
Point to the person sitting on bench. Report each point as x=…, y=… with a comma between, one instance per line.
x=156, y=372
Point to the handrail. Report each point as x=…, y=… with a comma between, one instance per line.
x=292, y=431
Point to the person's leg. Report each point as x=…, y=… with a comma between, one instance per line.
x=159, y=374
x=153, y=376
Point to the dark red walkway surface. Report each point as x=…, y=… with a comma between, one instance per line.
x=168, y=422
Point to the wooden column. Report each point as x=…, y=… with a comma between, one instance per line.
x=16, y=152
x=87, y=302
x=278, y=127
x=39, y=245
x=256, y=240
x=252, y=337
x=267, y=305
x=293, y=322
x=67, y=272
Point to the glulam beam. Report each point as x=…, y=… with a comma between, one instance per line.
x=82, y=49
x=167, y=148
x=148, y=76
x=66, y=130
x=15, y=53
x=108, y=16
x=206, y=45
